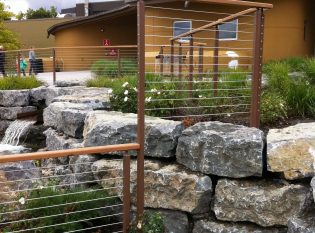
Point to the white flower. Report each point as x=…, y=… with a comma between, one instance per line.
x=126, y=92
x=228, y=115
x=110, y=91
x=153, y=90
x=22, y=200
x=159, y=93
x=41, y=187
x=195, y=81
x=148, y=99
x=200, y=96
x=125, y=84
x=125, y=99
x=135, y=89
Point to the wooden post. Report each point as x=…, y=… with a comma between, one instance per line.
x=54, y=66
x=172, y=59
x=161, y=60
x=191, y=64
x=257, y=69
x=119, y=63
x=216, y=62
x=18, y=64
x=180, y=60
x=200, y=62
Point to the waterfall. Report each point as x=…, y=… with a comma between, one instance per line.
x=14, y=132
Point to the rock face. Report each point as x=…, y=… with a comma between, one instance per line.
x=167, y=187
x=14, y=98
x=302, y=225
x=213, y=226
x=66, y=117
x=291, y=151
x=222, y=149
x=261, y=202
x=3, y=126
x=106, y=128
x=55, y=141
x=10, y=113
x=81, y=166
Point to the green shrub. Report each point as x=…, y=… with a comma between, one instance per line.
x=152, y=223
x=109, y=67
x=273, y=107
x=16, y=83
x=68, y=210
x=301, y=99
x=310, y=70
x=296, y=64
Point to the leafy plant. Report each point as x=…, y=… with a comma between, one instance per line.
x=16, y=83
x=273, y=107
x=310, y=70
x=109, y=67
x=152, y=223
x=66, y=210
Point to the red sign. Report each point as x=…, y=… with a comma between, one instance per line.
x=106, y=42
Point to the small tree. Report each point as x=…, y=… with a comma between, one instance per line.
x=41, y=13
x=7, y=38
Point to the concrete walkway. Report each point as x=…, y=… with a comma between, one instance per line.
x=75, y=76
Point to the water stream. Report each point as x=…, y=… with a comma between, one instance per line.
x=15, y=131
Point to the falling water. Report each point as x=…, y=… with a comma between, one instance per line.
x=14, y=132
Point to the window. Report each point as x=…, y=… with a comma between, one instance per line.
x=181, y=27
x=228, y=31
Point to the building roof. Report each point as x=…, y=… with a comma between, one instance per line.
x=126, y=9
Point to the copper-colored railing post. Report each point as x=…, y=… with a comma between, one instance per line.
x=172, y=59
x=54, y=66
x=180, y=60
x=257, y=69
x=141, y=105
x=18, y=64
x=191, y=64
x=216, y=61
x=161, y=60
x=119, y=62
x=200, y=62
x=126, y=193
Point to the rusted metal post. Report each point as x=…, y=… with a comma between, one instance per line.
x=257, y=69
x=119, y=62
x=54, y=66
x=216, y=62
x=172, y=59
x=161, y=60
x=18, y=64
x=141, y=105
x=126, y=191
x=191, y=65
x=200, y=62
x=180, y=60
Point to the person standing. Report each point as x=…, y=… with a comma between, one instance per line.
x=2, y=61
x=32, y=58
x=23, y=65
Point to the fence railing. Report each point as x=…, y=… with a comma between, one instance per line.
x=40, y=192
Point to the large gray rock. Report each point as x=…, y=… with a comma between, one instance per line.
x=10, y=113
x=166, y=186
x=109, y=128
x=291, y=151
x=14, y=98
x=4, y=124
x=213, y=226
x=222, y=149
x=66, y=117
x=313, y=187
x=58, y=141
x=38, y=95
x=262, y=202
x=302, y=225
x=81, y=166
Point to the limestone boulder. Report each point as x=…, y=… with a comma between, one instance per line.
x=38, y=95
x=109, y=128
x=214, y=226
x=291, y=151
x=222, y=149
x=59, y=141
x=166, y=186
x=14, y=98
x=10, y=113
x=302, y=225
x=262, y=202
x=66, y=117
x=81, y=166
x=4, y=124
